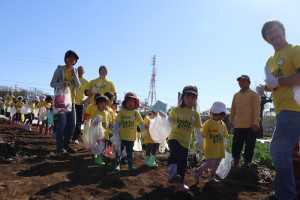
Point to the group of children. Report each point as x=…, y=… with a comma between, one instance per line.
x=21, y=110
x=183, y=119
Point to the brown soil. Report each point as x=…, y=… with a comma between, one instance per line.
x=29, y=169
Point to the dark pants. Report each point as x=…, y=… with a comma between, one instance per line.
x=18, y=116
x=129, y=149
x=30, y=117
x=241, y=136
x=179, y=156
x=151, y=149
x=77, y=130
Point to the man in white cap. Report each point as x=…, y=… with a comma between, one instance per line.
x=245, y=110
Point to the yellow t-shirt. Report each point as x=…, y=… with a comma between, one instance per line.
x=213, y=133
x=129, y=120
x=43, y=104
x=69, y=77
x=284, y=63
x=80, y=91
x=90, y=110
x=104, y=85
x=9, y=98
x=19, y=106
x=147, y=124
x=106, y=120
x=113, y=119
x=31, y=103
x=185, y=121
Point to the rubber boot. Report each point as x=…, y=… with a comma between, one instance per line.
x=236, y=162
x=117, y=165
x=130, y=165
x=25, y=127
x=109, y=151
x=152, y=161
x=46, y=131
x=104, y=153
x=173, y=176
x=29, y=128
x=147, y=161
x=98, y=160
x=213, y=179
x=38, y=126
x=41, y=129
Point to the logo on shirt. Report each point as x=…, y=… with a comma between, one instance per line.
x=127, y=124
x=281, y=62
x=185, y=124
x=219, y=138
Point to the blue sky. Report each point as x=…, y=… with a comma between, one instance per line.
x=207, y=43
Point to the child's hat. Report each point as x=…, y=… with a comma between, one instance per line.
x=190, y=89
x=42, y=97
x=130, y=95
x=20, y=97
x=219, y=107
x=35, y=98
x=159, y=106
x=243, y=77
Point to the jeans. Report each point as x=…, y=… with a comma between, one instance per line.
x=77, y=131
x=179, y=156
x=129, y=150
x=285, y=137
x=241, y=136
x=65, y=128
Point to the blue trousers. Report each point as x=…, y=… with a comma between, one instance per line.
x=129, y=149
x=179, y=156
x=285, y=137
x=65, y=128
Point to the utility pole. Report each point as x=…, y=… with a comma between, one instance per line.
x=152, y=92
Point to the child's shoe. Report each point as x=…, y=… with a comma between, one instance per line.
x=197, y=173
x=25, y=126
x=152, y=161
x=147, y=161
x=29, y=128
x=213, y=179
x=130, y=165
x=98, y=160
x=117, y=165
x=104, y=153
x=46, y=131
x=109, y=151
x=183, y=186
x=41, y=129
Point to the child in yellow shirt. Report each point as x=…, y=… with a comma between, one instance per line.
x=125, y=127
x=214, y=133
x=18, y=107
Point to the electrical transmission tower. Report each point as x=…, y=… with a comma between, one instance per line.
x=152, y=93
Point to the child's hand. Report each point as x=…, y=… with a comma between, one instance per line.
x=145, y=135
x=260, y=90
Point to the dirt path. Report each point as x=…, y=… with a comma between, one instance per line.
x=30, y=170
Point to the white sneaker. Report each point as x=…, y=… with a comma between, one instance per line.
x=183, y=186
x=75, y=141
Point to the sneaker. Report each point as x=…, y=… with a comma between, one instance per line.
x=213, y=180
x=69, y=149
x=60, y=151
x=271, y=197
x=75, y=141
x=183, y=186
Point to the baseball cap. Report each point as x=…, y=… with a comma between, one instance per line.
x=190, y=89
x=130, y=95
x=218, y=107
x=243, y=77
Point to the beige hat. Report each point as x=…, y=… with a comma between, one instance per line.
x=190, y=89
x=243, y=77
x=219, y=107
x=130, y=95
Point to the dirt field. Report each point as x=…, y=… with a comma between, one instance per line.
x=29, y=169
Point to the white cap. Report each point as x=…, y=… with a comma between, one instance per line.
x=35, y=98
x=219, y=107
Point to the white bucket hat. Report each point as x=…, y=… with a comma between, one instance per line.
x=35, y=98
x=219, y=107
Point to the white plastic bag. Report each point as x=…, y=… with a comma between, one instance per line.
x=159, y=128
x=43, y=114
x=62, y=102
x=13, y=111
x=26, y=109
x=137, y=145
x=85, y=136
x=296, y=94
x=163, y=146
x=224, y=166
x=96, y=134
x=36, y=112
x=116, y=140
